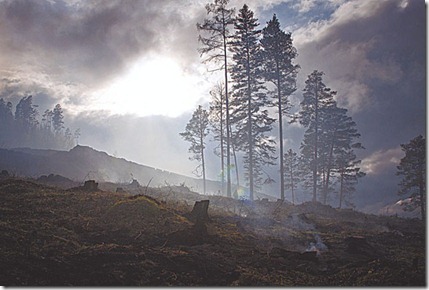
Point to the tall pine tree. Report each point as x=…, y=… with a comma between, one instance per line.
x=314, y=111
x=250, y=118
x=338, y=160
x=26, y=114
x=195, y=132
x=57, y=119
x=214, y=35
x=349, y=173
x=217, y=124
x=291, y=172
x=412, y=168
x=278, y=55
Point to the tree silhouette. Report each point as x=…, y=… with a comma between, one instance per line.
x=412, y=168
x=291, y=172
x=338, y=136
x=314, y=112
x=218, y=124
x=278, y=54
x=25, y=114
x=195, y=133
x=6, y=122
x=57, y=119
x=215, y=45
x=23, y=129
x=349, y=173
x=250, y=119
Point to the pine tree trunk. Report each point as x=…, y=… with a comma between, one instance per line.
x=292, y=185
x=202, y=157
x=228, y=141
x=236, y=166
x=328, y=174
x=341, y=187
x=316, y=139
x=222, y=159
x=249, y=132
x=250, y=149
x=282, y=177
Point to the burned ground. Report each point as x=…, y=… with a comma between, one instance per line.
x=55, y=237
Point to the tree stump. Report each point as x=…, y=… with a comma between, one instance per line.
x=90, y=185
x=199, y=213
x=197, y=234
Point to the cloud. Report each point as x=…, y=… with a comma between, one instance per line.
x=381, y=160
x=361, y=43
x=87, y=44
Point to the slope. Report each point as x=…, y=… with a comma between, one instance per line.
x=83, y=162
x=53, y=237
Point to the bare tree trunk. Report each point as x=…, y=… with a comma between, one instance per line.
x=228, y=141
x=292, y=186
x=249, y=129
x=316, y=139
x=236, y=165
x=222, y=159
x=282, y=177
x=331, y=151
x=202, y=156
x=341, y=187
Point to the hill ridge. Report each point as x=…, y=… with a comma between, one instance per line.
x=84, y=162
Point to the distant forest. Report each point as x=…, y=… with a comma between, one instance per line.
x=25, y=129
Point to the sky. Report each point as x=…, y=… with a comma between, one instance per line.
x=129, y=75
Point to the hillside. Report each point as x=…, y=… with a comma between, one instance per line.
x=83, y=162
x=55, y=237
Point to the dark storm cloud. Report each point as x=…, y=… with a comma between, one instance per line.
x=89, y=42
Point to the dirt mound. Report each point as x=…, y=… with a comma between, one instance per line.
x=142, y=217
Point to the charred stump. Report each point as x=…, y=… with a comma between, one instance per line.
x=199, y=214
x=90, y=186
x=120, y=190
x=197, y=234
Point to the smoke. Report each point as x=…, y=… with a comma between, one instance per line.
x=318, y=246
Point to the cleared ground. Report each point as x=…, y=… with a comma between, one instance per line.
x=55, y=237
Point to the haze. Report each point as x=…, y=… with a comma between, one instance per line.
x=128, y=73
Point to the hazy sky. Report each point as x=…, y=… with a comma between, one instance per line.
x=128, y=73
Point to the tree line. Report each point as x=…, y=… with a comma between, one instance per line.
x=259, y=78
x=24, y=128
x=412, y=169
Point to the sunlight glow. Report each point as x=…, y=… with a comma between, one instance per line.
x=152, y=86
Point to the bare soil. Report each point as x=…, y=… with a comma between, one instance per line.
x=56, y=237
